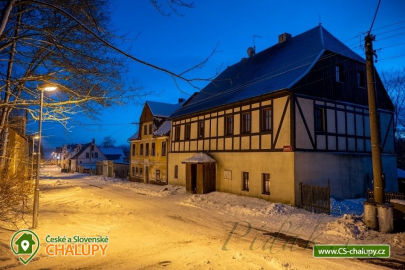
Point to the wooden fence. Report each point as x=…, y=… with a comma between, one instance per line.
x=315, y=198
x=388, y=196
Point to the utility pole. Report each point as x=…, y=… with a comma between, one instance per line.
x=374, y=128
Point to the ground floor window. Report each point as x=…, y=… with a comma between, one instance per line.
x=176, y=171
x=140, y=171
x=245, y=181
x=158, y=175
x=136, y=170
x=133, y=171
x=266, y=183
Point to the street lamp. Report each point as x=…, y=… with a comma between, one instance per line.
x=35, y=137
x=41, y=89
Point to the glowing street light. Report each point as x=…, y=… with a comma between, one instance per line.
x=42, y=89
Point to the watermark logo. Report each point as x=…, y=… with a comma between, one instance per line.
x=352, y=251
x=25, y=244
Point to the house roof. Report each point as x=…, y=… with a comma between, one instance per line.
x=164, y=128
x=199, y=158
x=135, y=136
x=82, y=149
x=113, y=153
x=276, y=68
x=161, y=109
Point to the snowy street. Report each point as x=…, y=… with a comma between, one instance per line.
x=162, y=227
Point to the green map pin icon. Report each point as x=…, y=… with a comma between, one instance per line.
x=24, y=245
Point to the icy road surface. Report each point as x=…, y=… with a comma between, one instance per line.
x=162, y=227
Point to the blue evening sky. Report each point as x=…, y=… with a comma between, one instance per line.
x=179, y=42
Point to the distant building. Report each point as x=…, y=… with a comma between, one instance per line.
x=86, y=158
x=149, y=146
x=293, y=113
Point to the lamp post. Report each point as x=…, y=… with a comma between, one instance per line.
x=42, y=89
x=36, y=137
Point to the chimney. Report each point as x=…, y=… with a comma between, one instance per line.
x=181, y=100
x=251, y=51
x=284, y=37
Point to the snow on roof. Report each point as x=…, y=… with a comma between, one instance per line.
x=164, y=128
x=199, y=158
x=278, y=67
x=162, y=109
x=113, y=153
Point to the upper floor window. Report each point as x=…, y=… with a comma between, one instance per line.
x=150, y=128
x=201, y=129
x=266, y=119
x=147, y=149
x=246, y=122
x=177, y=133
x=361, y=80
x=229, y=125
x=163, y=148
x=339, y=73
x=96, y=154
x=133, y=150
x=266, y=183
x=187, y=131
x=87, y=155
x=145, y=129
x=141, y=150
x=153, y=149
x=245, y=181
x=320, y=119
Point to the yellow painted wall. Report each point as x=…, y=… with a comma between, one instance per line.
x=280, y=166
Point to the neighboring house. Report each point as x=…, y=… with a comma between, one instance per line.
x=86, y=158
x=115, y=154
x=68, y=151
x=17, y=154
x=293, y=113
x=149, y=146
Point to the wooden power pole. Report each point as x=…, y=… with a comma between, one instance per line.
x=374, y=128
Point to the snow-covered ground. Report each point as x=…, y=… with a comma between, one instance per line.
x=153, y=227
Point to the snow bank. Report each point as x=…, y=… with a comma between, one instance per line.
x=340, y=207
x=238, y=205
x=348, y=227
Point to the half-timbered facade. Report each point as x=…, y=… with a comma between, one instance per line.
x=149, y=146
x=294, y=113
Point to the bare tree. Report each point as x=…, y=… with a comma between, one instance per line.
x=394, y=81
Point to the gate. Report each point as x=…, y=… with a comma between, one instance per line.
x=315, y=198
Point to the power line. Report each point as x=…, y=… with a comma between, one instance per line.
x=375, y=15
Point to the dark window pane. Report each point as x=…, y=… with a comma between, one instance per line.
x=320, y=119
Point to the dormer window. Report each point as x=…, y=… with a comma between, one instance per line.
x=339, y=73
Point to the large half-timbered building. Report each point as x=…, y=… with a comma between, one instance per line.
x=293, y=113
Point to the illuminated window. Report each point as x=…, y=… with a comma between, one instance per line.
x=245, y=181
x=266, y=183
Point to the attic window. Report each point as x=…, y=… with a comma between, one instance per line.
x=339, y=73
x=150, y=128
x=361, y=80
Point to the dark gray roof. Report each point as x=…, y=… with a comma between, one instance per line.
x=82, y=149
x=161, y=109
x=276, y=68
